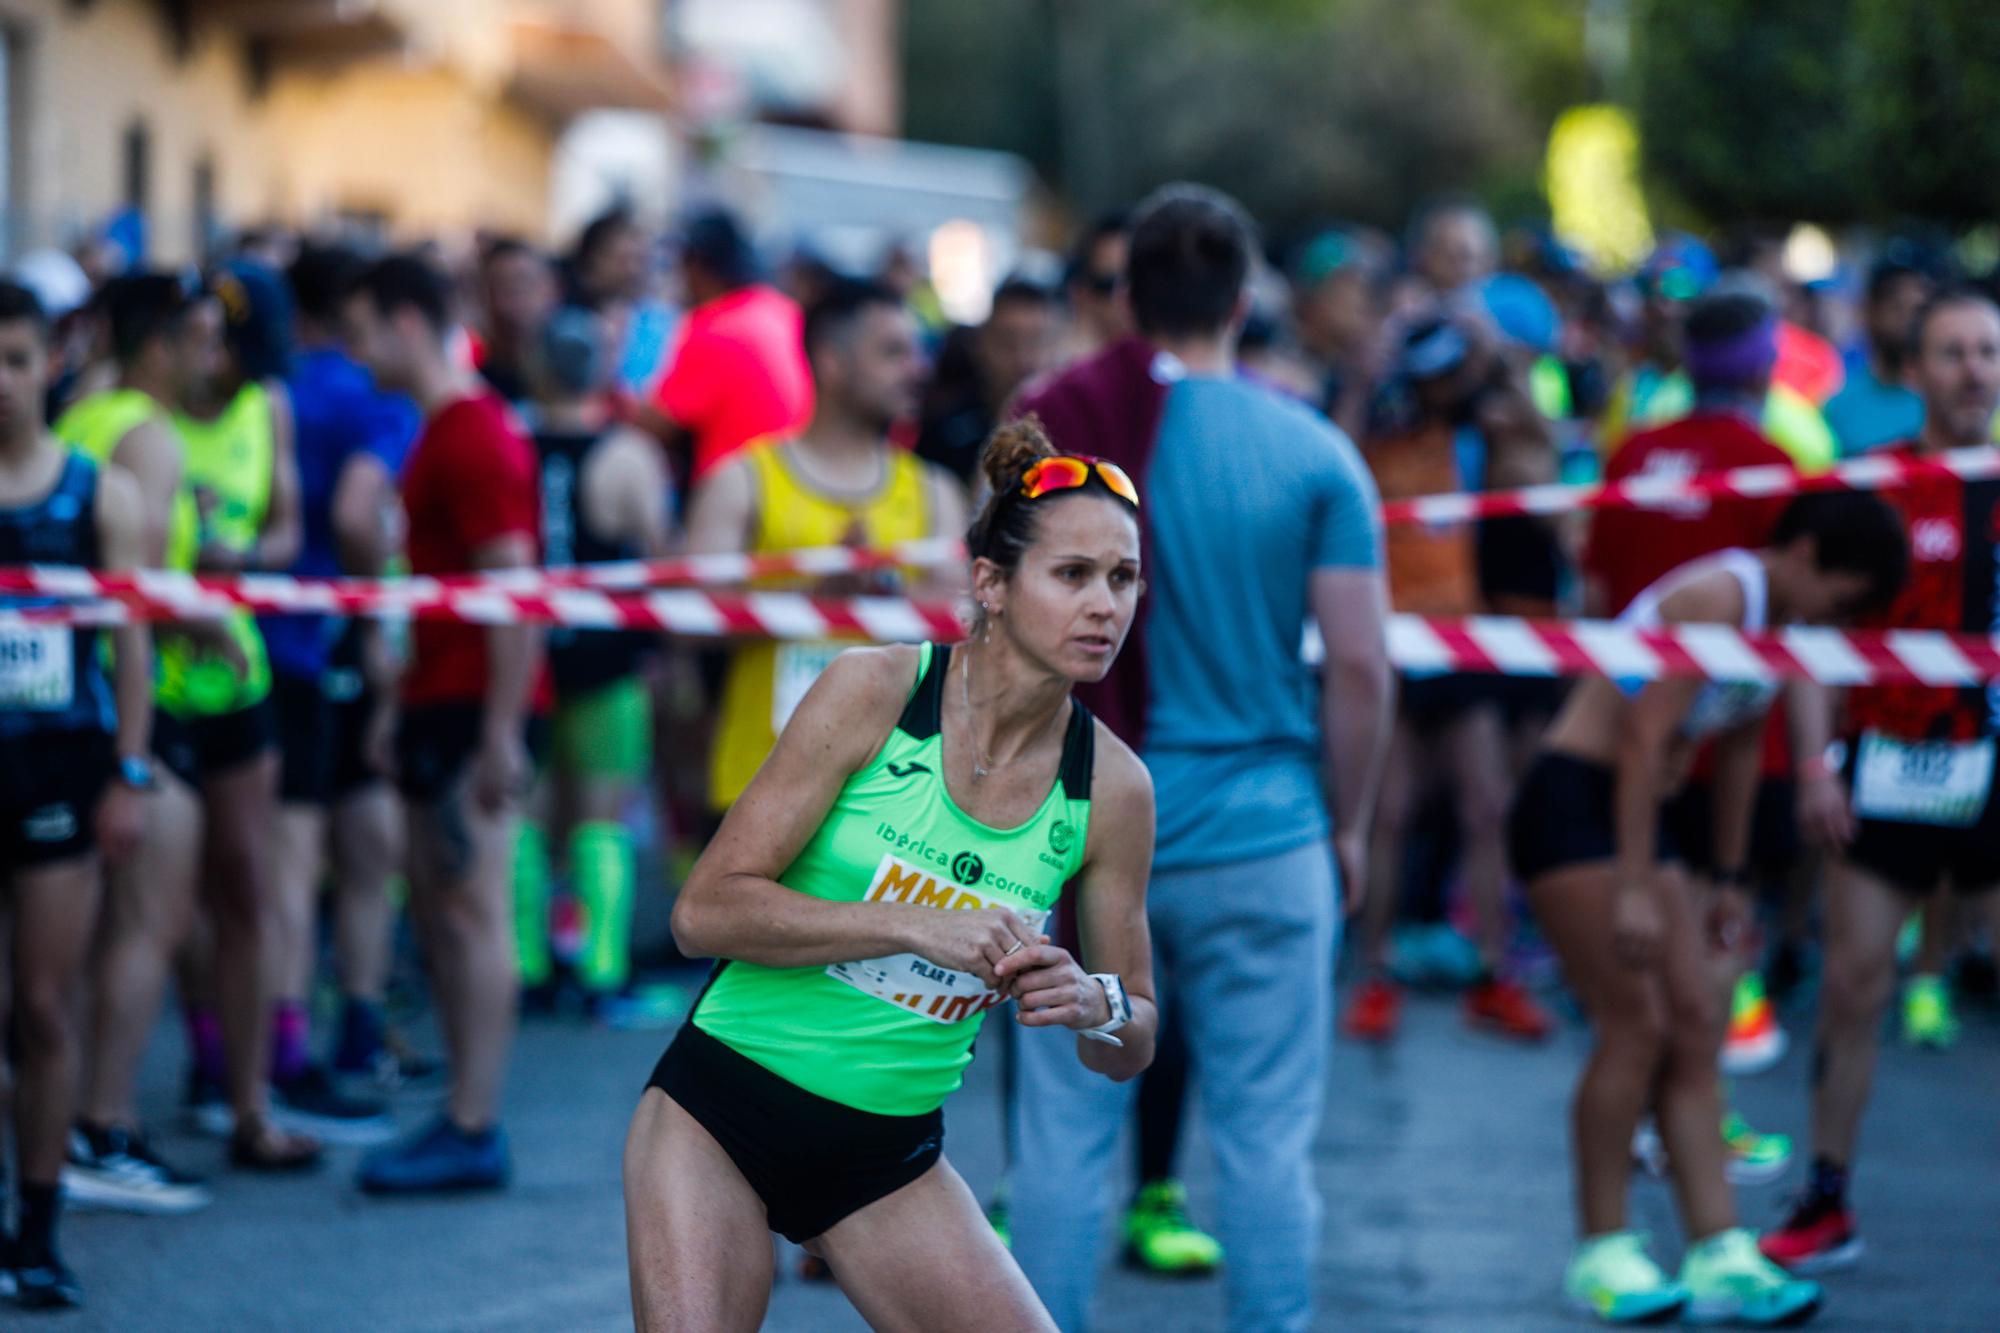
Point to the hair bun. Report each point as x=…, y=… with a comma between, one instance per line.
x=1014, y=447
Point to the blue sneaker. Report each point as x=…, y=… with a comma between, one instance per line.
x=441, y=1158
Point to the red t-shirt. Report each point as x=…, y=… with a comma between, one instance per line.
x=1933, y=510
x=737, y=373
x=1629, y=550
x=470, y=480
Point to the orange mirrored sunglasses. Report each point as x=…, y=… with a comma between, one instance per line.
x=1069, y=472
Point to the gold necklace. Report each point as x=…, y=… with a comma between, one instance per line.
x=982, y=761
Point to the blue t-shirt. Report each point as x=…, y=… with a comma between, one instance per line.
x=1246, y=496
x=337, y=413
x=1868, y=413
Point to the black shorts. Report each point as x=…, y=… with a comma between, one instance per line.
x=1917, y=858
x=49, y=788
x=1774, y=830
x=1563, y=816
x=322, y=735
x=193, y=748
x=435, y=743
x=812, y=1161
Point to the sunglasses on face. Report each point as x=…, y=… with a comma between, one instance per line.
x=1069, y=472
x=1104, y=284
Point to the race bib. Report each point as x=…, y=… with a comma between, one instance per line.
x=910, y=982
x=798, y=666
x=37, y=668
x=1941, y=783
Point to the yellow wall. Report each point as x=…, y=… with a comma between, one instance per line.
x=85, y=76
x=421, y=145
x=423, y=137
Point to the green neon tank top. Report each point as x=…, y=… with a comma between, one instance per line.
x=893, y=1036
x=230, y=458
x=95, y=427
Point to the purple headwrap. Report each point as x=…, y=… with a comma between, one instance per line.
x=1732, y=362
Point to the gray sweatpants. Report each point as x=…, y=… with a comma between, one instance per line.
x=1244, y=954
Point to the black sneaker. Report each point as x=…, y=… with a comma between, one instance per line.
x=308, y=1103
x=393, y=1068
x=117, y=1168
x=45, y=1283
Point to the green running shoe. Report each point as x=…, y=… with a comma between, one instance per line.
x=1927, y=1016
x=1000, y=1218
x=1614, y=1278
x=1754, y=1158
x=1729, y=1282
x=1159, y=1238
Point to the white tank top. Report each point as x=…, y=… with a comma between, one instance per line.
x=1722, y=705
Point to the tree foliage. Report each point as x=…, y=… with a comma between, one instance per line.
x=1833, y=110
x=1304, y=109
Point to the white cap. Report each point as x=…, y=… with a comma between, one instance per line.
x=57, y=281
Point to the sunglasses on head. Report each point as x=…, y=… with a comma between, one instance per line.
x=1069, y=472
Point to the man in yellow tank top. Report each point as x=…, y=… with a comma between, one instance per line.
x=840, y=482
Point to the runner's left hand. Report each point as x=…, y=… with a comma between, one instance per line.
x=1051, y=990
x=500, y=773
x=1732, y=920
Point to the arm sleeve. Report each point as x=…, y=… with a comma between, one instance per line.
x=1350, y=529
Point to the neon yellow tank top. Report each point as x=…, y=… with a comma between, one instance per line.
x=95, y=426
x=229, y=463
x=892, y=1036
x=767, y=680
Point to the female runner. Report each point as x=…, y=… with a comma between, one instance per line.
x=882, y=882
x=1631, y=934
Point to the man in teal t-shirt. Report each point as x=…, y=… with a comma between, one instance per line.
x=1257, y=513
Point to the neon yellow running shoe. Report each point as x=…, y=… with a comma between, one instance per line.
x=1613, y=1277
x=1754, y=1158
x=1927, y=1016
x=1729, y=1282
x=1159, y=1237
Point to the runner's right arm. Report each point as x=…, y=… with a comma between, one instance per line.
x=1823, y=812
x=722, y=511
x=733, y=905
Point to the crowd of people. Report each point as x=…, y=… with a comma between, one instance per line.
x=248, y=807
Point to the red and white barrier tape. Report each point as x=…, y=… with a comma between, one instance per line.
x=1497, y=644
x=278, y=593
x=1869, y=472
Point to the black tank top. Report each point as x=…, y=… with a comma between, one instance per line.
x=51, y=678
x=581, y=660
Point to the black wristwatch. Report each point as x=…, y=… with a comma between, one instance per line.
x=136, y=771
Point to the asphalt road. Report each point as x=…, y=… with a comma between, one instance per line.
x=1441, y=1160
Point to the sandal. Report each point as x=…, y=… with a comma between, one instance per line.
x=259, y=1145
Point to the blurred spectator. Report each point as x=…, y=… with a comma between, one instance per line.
x=1338, y=311
x=1094, y=280
x=1878, y=406
x=979, y=372
x=64, y=291
x=1455, y=415
x=518, y=292
x=1655, y=390
x=1453, y=249
x=902, y=272
x=613, y=265
x=738, y=371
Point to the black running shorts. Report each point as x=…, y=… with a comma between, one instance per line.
x=1775, y=846
x=49, y=788
x=1563, y=816
x=1917, y=858
x=812, y=1161
x=305, y=740
x=193, y=748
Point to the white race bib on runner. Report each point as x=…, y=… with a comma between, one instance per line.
x=910, y=982
x=798, y=666
x=1941, y=783
x=37, y=668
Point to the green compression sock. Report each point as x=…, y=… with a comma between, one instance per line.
x=600, y=860
x=531, y=905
